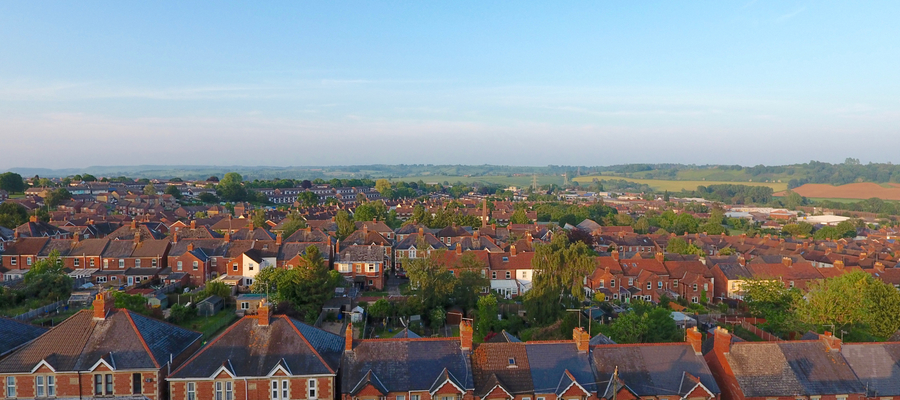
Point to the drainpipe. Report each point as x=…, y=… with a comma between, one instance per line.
x=246, y=390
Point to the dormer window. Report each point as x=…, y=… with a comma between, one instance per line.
x=512, y=361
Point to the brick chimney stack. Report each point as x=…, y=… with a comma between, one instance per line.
x=787, y=261
x=582, y=339
x=227, y=236
x=660, y=257
x=615, y=254
x=863, y=255
x=695, y=339
x=831, y=342
x=137, y=237
x=278, y=239
x=193, y=224
x=264, y=313
x=839, y=265
x=421, y=231
x=133, y=223
x=512, y=250
x=465, y=334
x=103, y=304
x=33, y=218
x=742, y=260
x=348, y=337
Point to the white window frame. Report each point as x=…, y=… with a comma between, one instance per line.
x=179, y=265
x=285, y=389
x=371, y=267
x=77, y=263
x=312, y=390
x=196, y=265
x=137, y=262
x=659, y=285
x=12, y=262
x=10, y=386
x=39, y=386
x=190, y=390
x=121, y=263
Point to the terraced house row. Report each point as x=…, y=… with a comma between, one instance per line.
x=110, y=353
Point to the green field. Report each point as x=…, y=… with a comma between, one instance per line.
x=503, y=180
x=677, y=186
x=525, y=181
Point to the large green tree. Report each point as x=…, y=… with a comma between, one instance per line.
x=470, y=280
x=429, y=277
x=306, y=287
x=559, y=268
x=12, y=182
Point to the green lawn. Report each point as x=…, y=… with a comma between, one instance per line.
x=210, y=326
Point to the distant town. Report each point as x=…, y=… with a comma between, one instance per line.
x=597, y=287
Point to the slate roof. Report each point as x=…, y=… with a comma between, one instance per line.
x=405, y=365
x=251, y=350
x=549, y=362
x=356, y=253
x=15, y=334
x=310, y=235
x=735, y=271
x=80, y=341
x=652, y=369
x=791, y=368
x=877, y=365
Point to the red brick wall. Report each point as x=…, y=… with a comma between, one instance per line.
x=255, y=389
x=82, y=385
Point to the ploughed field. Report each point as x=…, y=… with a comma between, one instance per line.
x=861, y=191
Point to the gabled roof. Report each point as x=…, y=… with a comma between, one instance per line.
x=405, y=365
x=308, y=235
x=254, y=351
x=369, y=379
x=80, y=342
x=446, y=378
x=504, y=364
x=550, y=360
x=652, y=369
x=26, y=246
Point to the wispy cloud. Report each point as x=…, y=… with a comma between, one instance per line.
x=785, y=17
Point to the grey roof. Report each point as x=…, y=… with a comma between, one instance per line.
x=652, y=369
x=549, y=362
x=406, y=333
x=765, y=369
x=251, y=350
x=735, y=271
x=601, y=339
x=877, y=365
x=15, y=334
x=81, y=341
x=405, y=365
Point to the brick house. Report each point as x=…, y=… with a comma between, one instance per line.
x=102, y=352
x=208, y=253
x=262, y=357
x=420, y=368
x=691, y=280
x=409, y=247
x=362, y=265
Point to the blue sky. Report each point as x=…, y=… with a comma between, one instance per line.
x=520, y=83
